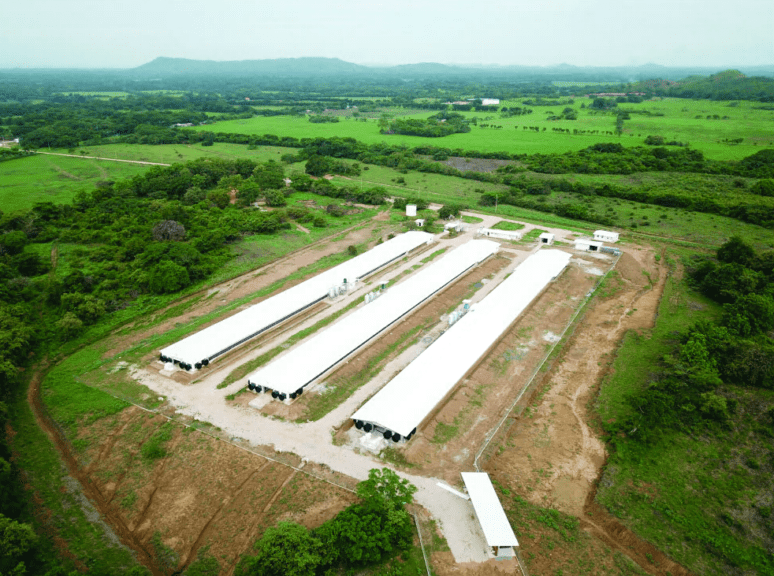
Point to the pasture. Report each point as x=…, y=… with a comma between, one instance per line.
x=172, y=153
x=57, y=179
x=675, y=119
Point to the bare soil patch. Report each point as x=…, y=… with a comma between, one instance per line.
x=476, y=164
x=204, y=492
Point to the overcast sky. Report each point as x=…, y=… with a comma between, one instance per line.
x=124, y=34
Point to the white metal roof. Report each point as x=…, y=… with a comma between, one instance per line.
x=309, y=360
x=489, y=511
x=216, y=339
x=408, y=398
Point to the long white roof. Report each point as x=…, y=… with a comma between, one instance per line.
x=489, y=511
x=408, y=398
x=309, y=360
x=234, y=330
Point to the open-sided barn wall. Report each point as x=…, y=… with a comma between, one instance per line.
x=291, y=372
x=405, y=402
x=203, y=346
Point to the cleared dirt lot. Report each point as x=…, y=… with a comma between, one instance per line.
x=204, y=492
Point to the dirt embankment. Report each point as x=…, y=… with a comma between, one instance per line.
x=552, y=454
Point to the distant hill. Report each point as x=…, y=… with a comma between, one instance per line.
x=321, y=67
x=278, y=67
x=725, y=85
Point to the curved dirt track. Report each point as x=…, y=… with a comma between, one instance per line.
x=114, y=520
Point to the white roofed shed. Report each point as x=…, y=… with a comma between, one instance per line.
x=546, y=238
x=288, y=374
x=605, y=236
x=491, y=516
x=200, y=348
x=404, y=402
x=588, y=245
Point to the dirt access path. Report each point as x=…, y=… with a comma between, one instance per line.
x=552, y=454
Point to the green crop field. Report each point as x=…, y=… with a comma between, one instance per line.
x=673, y=118
x=43, y=178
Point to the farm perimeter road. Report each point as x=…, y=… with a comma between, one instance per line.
x=100, y=158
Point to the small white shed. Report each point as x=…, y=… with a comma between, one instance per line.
x=546, y=238
x=491, y=516
x=454, y=225
x=605, y=236
x=588, y=245
x=411, y=209
x=420, y=222
x=512, y=235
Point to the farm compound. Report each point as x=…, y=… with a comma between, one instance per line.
x=408, y=399
x=491, y=516
x=201, y=348
x=288, y=375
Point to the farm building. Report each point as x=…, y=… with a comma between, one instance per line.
x=605, y=236
x=454, y=225
x=490, y=514
x=588, y=245
x=499, y=234
x=288, y=375
x=546, y=238
x=201, y=348
x=402, y=405
x=490, y=101
x=420, y=222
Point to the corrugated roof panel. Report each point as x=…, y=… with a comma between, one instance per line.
x=228, y=333
x=489, y=511
x=408, y=398
x=303, y=364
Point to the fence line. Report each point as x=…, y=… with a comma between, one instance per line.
x=422, y=544
x=535, y=372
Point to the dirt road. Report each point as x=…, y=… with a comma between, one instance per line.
x=99, y=158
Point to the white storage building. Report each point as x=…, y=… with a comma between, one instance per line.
x=491, y=516
x=288, y=374
x=499, y=234
x=605, y=236
x=588, y=245
x=546, y=238
x=203, y=346
x=403, y=404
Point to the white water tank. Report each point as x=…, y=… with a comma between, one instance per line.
x=411, y=209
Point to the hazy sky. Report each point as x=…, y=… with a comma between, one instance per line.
x=124, y=34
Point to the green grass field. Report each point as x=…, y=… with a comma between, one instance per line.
x=41, y=178
x=699, y=228
x=172, y=153
x=678, y=122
